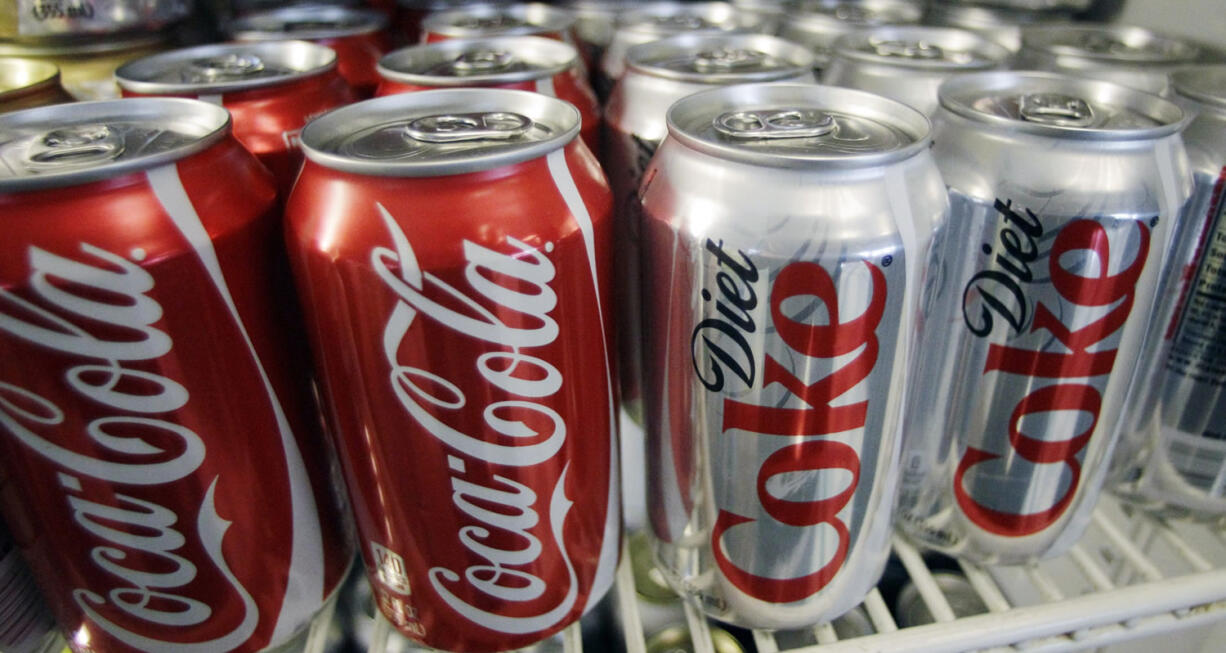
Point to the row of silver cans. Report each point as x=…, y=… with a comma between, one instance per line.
x=1172, y=458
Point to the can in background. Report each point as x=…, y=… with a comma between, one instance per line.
x=1062, y=195
x=1172, y=458
x=87, y=66
x=908, y=63
x=409, y=15
x=519, y=19
x=817, y=24
x=167, y=479
x=1131, y=56
x=28, y=83
x=786, y=232
x=357, y=36
x=999, y=23
x=25, y=624
x=528, y=63
x=657, y=75
x=459, y=241
x=270, y=89
x=46, y=21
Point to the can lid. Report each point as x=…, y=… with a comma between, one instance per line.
x=306, y=22
x=798, y=126
x=662, y=19
x=1120, y=44
x=498, y=20
x=676, y=638
x=486, y=61
x=1205, y=84
x=945, y=49
x=70, y=144
x=852, y=14
x=225, y=67
x=1062, y=106
x=721, y=58
x=78, y=46
x=442, y=132
x=649, y=582
x=18, y=76
x=988, y=16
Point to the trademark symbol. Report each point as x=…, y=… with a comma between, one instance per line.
x=138, y=254
x=885, y=262
x=548, y=248
x=1153, y=222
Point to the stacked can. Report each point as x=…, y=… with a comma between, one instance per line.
x=909, y=63
x=528, y=63
x=528, y=19
x=786, y=230
x=1131, y=56
x=1172, y=457
x=459, y=242
x=28, y=83
x=25, y=623
x=271, y=90
x=817, y=24
x=410, y=14
x=356, y=35
x=595, y=22
x=166, y=477
x=1062, y=192
x=87, y=66
x=999, y=23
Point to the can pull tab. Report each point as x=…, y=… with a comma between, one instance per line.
x=489, y=23
x=73, y=146
x=228, y=66
x=727, y=59
x=480, y=62
x=460, y=127
x=1104, y=44
x=1056, y=109
x=908, y=49
x=781, y=123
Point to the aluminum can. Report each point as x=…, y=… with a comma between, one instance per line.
x=1131, y=56
x=657, y=75
x=657, y=20
x=87, y=65
x=25, y=623
x=817, y=24
x=28, y=83
x=595, y=22
x=999, y=23
x=1062, y=191
x=410, y=14
x=782, y=301
x=167, y=480
x=357, y=36
x=1172, y=457
x=910, y=608
x=529, y=63
x=270, y=89
x=526, y=19
x=42, y=21
x=908, y=63
x=678, y=639
x=462, y=237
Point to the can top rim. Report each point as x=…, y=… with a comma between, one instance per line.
x=321, y=21
x=952, y=49
x=301, y=59
x=960, y=95
x=385, y=126
x=32, y=74
x=960, y=15
x=1205, y=84
x=202, y=124
x=532, y=17
x=78, y=46
x=1136, y=45
x=885, y=130
x=667, y=58
x=665, y=18
x=847, y=16
x=540, y=58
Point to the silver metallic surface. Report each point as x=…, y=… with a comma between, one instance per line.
x=69, y=144
x=466, y=62
x=817, y=24
x=1036, y=310
x=1131, y=56
x=225, y=68
x=306, y=22
x=659, y=74
x=1173, y=454
x=781, y=284
x=32, y=21
x=908, y=63
x=911, y=610
x=499, y=20
x=441, y=132
x=1001, y=24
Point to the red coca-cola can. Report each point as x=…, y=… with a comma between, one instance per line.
x=271, y=90
x=452, y=252
x=528, y=63
x=357, y=36
x=161, y=461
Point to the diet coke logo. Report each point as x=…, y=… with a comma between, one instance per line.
x=1072, y=355
x=527, y=430
x=104, y=290
x=823, y=409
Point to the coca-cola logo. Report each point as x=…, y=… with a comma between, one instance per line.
x=1079, y=268
x=825, y=410
x=138, y=445
x=522, y=432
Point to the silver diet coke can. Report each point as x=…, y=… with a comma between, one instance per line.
x=1131, y=56
x=787, y=228
x=1061, y=195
